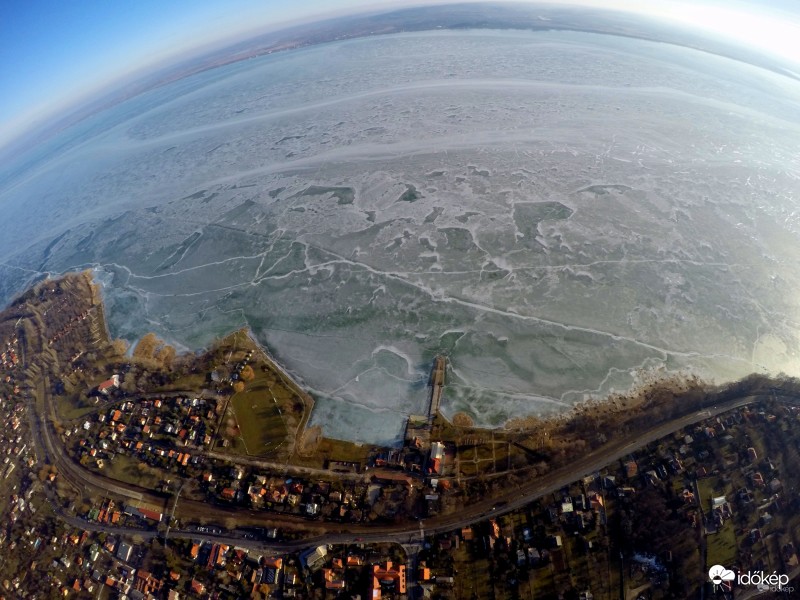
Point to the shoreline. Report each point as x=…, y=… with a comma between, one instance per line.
x=538, y=444
x=308, y=399
x=616, y=403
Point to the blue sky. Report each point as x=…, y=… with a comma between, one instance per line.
x=53, y=52
x=56, y=52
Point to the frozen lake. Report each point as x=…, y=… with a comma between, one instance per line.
x=557, y=212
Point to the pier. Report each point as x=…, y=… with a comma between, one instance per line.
x=437, y=384
x=418, y=427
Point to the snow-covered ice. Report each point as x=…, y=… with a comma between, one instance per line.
x=556, y=211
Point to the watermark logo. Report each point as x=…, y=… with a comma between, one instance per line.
x=719, y=574
x=723, y=577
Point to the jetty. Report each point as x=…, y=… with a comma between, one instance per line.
x=436, y=384
x=418, y=427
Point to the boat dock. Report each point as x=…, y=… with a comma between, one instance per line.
x=436, y=383
x=418, y=427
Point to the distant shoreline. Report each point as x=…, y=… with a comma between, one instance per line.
x=451, y=17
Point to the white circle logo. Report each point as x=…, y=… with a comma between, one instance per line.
x=717, y=574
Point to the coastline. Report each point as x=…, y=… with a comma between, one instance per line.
x=658, y=392
x=308, y=399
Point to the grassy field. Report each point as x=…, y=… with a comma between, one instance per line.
x=711, y=487
x=130, y=470
x=472, y=581
x=331, y=449
x=722, y=546
x=69, y=409
x=187, y=381
x=468, y=468
x=269, y=411
x=541, y=583
x=260, y=421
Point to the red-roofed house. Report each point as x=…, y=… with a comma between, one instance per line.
x=150, y=514
x=437, y=456
x=109, y=384
x=197, y=587
x=333, y=579
x=387, y=575
x=354, y=561
x=223, y=550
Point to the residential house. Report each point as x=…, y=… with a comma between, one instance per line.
x=388, y=577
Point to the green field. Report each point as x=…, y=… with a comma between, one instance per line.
x=722, y=546
x=472, y=568
x=70, y=409
x=710, y=488
x=260, y=422
x=130, y=470
x=330, y=449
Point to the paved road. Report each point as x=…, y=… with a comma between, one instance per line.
x=535, y=488
x=48, y=447
x=41, y=408
x=282, y=467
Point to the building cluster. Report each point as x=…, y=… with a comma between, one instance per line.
x=730, y=475
x=344, y=501
x=727, y=474
x=356, y=571
x=174, y=434
x=9, y=359
x=77, y=563
x=70, y=323
x=16, y=452
x=14, y=447
x=206, y=569
x=166, y=433
x=720, y=469
x=241, y=571
x=72, y=318
x=127, y=515
x=73, y=561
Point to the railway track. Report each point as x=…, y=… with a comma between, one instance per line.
x=41, y=410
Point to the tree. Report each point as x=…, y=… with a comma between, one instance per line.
x=146, y=347
x=165, y=355
x=128, y=384
x=119, y=347
x=247, y=373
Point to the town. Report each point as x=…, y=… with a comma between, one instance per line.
x=134, y=472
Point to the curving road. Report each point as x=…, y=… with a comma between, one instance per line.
x=347, y=533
